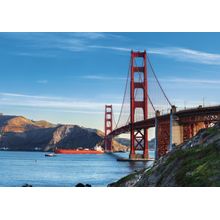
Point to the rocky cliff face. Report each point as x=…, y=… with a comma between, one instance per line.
x=194, y=163
x=20, y=133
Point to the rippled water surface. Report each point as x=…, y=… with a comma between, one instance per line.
x=18, y=168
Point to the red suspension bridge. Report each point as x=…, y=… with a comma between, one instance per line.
x=143, y=107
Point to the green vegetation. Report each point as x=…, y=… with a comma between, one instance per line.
x=199, y=166
x=212, y=130
x=193, y=164
x=193, y=167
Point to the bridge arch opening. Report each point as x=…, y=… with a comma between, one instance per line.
x=139, y=94
x=138, y=77
x=138, y=61
x=139, y=114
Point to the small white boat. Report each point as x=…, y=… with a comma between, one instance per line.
x=50, y=155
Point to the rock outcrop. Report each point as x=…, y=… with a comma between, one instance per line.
x=194, y=163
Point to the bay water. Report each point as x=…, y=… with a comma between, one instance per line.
x=19, y=168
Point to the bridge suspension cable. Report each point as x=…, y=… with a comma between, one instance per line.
x=151, y=66
x=124, y=97
x=158, y=100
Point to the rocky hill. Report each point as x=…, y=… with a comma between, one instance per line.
x=20, y=124
x=20, y=133
x=194, y=163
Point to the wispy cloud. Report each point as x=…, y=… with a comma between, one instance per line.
x=101, y=77
x=178, y=53
x=84, y=41
x=73, y=42
x=31, y=43
x=191, y=81
x=185, y=54
x=100, y=35
x=90, y=35
x=28, y=96
x=124, y=49
x=42, y=81
x=47, y=102
x=34, y=54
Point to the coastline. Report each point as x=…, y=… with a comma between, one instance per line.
x=196, y=166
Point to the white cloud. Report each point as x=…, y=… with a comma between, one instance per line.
x=90, y=35
x=49, y=41
x=185, y=54
x=77, y=42
x=101, y=77
x=34, y=54
x=71, y=41
x=178, y=53
x=124, y=49
x=28, y=96
x=59, y=103
x=191, y=81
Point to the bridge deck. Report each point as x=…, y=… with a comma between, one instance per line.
x=181, y=115
x=136, y=160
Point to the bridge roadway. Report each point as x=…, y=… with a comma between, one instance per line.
x=187, y=116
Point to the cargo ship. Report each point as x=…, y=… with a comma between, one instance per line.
x=96, y=150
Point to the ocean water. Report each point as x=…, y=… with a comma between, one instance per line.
x=18, y=168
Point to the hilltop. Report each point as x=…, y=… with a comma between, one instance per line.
x=194, y=163
x=20, y=133
x=21, y=124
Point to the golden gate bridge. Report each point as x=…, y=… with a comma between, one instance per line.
x=145, y=105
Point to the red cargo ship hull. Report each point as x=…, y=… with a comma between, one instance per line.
x=71, y=151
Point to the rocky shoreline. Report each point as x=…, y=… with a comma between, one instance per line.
x=194, y=163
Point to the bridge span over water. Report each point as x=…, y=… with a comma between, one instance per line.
x=143, y=107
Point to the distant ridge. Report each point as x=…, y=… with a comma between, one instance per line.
x=20, y=133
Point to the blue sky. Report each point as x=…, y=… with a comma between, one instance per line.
x=69, y=77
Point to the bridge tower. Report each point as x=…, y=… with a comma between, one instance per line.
x=139, y=137
x=108, y=128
